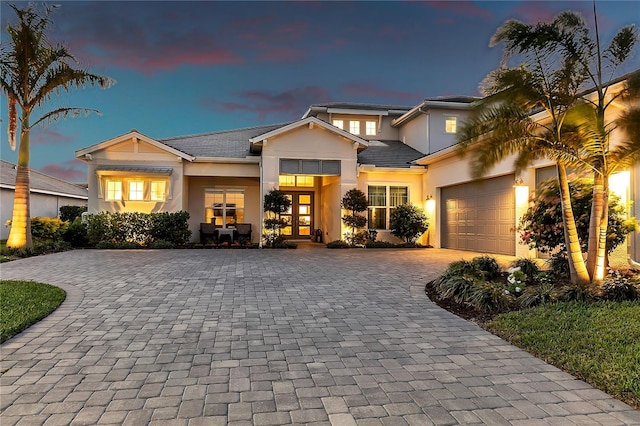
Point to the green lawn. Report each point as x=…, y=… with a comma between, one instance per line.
x=23, y=303
x=597, y=342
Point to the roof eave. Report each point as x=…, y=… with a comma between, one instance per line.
x=311, y=121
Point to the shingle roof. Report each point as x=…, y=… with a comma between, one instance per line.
x=389, y=154
x=227, y=144
x=40, y=182
x=354, y=105
x=457, y=99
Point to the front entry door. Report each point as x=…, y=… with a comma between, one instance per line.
x=300, y=216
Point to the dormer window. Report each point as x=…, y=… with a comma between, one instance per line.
x=354, y=127
x=451, y=124
x=339, y=124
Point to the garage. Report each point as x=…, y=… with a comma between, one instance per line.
x=479, y=216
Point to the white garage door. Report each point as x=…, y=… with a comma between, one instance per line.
x=479, y=216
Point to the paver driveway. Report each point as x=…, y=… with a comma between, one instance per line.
x=307, y=336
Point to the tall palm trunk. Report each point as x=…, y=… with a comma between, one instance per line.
x=602, y=259
x=577, y=266
x=20, y=233
x=595, y=221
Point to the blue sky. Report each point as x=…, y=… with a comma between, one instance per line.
x=185, y=68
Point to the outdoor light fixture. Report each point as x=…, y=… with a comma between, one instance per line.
x=519, y=182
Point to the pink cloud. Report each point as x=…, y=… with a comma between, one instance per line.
x=71, y=171
x=49, y=136
x=287, y=104
x=366, y=89
x=466, y=8
x=145, y=55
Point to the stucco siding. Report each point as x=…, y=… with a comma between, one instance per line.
x=414, y=182
x=415, y=133
x=196, y=199
x=222, y=169
x=139, y=154
x=439, y=139
x=43, y=205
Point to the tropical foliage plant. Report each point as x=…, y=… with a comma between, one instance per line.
x=32, y=71
x=541, y=225
x=558, y=61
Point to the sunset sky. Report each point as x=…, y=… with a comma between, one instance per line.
x=185, y=68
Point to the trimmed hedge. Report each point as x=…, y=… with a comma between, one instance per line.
x=141, y=229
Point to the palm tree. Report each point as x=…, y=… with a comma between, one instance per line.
x=510, y=120
x=32, y=71
x=599, y=156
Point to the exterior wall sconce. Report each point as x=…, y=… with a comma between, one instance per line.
x=519, y=182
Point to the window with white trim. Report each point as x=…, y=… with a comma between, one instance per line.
x=451, y=124
x=354, y=127
x=339, y=124
x=224, y=206
x=136, y=190
x=158, y=190
x=382, y=200
x=113, y=190
x=371, y=128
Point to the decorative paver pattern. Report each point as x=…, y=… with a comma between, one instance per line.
x=271, y=337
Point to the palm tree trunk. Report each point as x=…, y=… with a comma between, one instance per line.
x=602, y=259
x=577, y=267
x=595, y=220
x=20, y=233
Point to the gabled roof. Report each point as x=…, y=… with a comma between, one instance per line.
x=450, y=103
x=41, y=183
x=395, y=154
x=132, y=134
x=225, y=144
x=311, y=122
x=356, y=108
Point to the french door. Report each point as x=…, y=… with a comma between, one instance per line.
x=299, y=217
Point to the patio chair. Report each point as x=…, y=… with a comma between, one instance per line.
x=243, y=231
x=208, y=233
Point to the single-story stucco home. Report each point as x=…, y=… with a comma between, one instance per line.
x=47, y=195
x=394, y=154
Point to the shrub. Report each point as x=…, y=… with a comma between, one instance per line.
x=584, y=293
x=162, y=244
x=619, y=287
x=458, y=288
x=529, y=267
x=487, y=265
x=70, y=213
x=76, y=233
x=47, y=228
x=542, y=228
x=138, y=228
x=489, y=297
x=408, y=222
x=559, y=265
x=169, y=227
x=379, y=244
x=537, y=295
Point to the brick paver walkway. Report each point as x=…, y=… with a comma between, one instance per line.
x=269, y=337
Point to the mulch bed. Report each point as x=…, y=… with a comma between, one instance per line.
x=464, y=311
